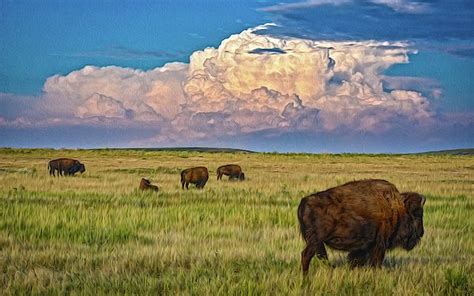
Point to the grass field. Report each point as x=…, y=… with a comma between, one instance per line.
x=96, y=234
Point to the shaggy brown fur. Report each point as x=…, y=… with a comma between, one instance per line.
x=232, y=170
x=65, y=166
x=365, y=218
x=146, y=185
x=197, y=175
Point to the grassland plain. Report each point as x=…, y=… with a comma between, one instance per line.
x=97, y=234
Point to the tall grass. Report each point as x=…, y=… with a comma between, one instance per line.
x=96, y=233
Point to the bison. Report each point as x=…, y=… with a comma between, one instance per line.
x=146, y=185
x=365, y=218
x=232, y=170
x=197, y=175
x=65, y=166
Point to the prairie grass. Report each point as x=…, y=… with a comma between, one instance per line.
x=97, y=234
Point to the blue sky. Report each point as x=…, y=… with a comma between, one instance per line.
x=43, y=38
x=40, y=39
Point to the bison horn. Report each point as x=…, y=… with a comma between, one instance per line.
x=423, y=200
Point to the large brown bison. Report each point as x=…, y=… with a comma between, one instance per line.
x=65, y=166
x=232, y=170
x=197, y=175
x=365, y=218
x=146, y=185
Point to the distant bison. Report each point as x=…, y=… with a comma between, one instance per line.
x=197, y=175
x=232, y=170
x=146, y=185
x=365, y=218
x=65, y=166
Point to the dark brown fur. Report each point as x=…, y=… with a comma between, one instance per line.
x=365, y=218
x=146, y=185
x=65, y=166
x=232, y=170
x=197, y=175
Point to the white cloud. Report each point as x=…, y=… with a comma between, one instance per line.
x=248, y=84
x=304, y=4
x=406, y=6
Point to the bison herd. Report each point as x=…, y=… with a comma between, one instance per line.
x=197, y=175
x=365, y=218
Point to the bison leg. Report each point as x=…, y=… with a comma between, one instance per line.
x=219, y=176
x=358, y=258
x=309, y=252
x=377, y=255
x=187, y=185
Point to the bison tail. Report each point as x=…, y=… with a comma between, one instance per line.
x=301, y=209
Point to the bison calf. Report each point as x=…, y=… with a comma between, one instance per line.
x=65, y=166
x=232, y=170
x=146, y=185
x=365, y=218
x=197, y=175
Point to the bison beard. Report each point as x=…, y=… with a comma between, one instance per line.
x=365, y=218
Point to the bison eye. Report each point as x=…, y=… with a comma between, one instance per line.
x=418, y=212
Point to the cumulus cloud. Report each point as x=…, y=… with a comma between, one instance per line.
x=249, y=84
x=428, y=87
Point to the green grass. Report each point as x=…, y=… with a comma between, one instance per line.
x=97, y=234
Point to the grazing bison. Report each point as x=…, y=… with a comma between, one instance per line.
x=365, y=218
x=232, y=170
x=65, y=166
x=146, y=185
x=197, y=175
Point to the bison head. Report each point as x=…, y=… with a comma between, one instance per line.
x=82, y=168
x=411, y=230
